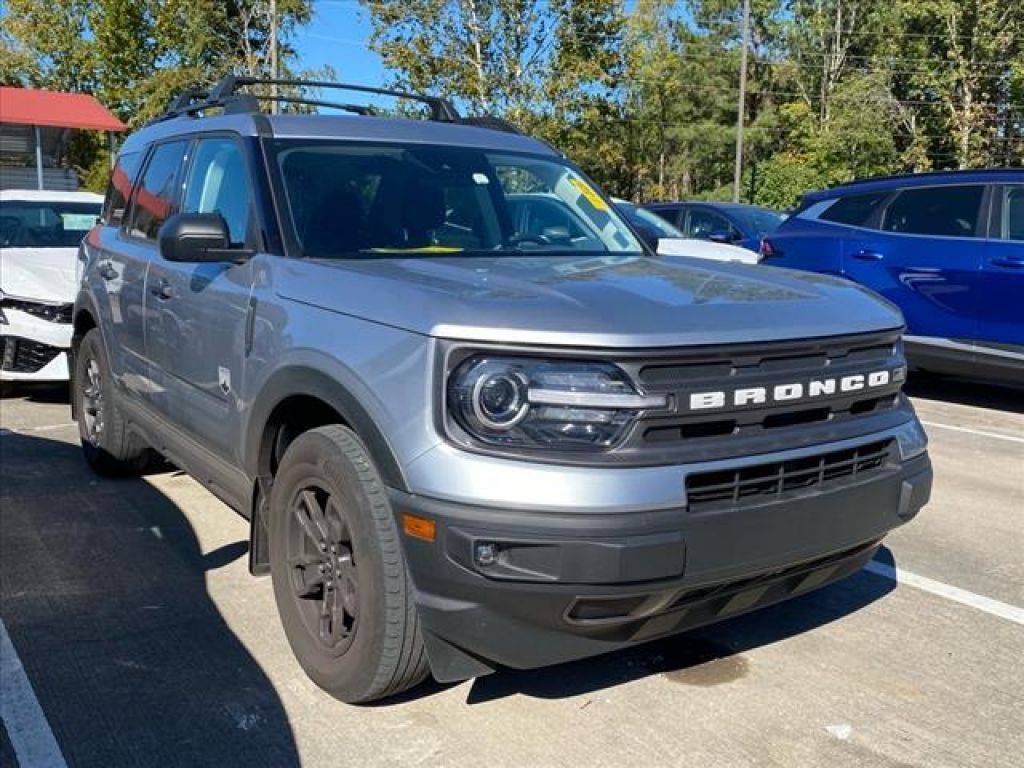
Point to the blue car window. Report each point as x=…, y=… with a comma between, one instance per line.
x=1013, y=214
x=703, y=223
x=854, y=210
x=945, y=211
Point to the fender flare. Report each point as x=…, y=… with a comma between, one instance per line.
x=311, y=382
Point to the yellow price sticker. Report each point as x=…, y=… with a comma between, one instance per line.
x=588, y=192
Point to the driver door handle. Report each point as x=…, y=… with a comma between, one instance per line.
x=1013, y=262
x=868, y=255
x=163, y=289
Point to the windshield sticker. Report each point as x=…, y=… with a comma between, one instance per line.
x=79, y=221
x=481, y=178
x=588, y=192
x=424, y=249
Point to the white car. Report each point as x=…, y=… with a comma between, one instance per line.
x=39, y=236
x=669, y=241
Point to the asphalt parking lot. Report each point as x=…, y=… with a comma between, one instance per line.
x=133, y=635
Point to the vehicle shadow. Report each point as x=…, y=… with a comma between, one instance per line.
x=965, y=392
x=704, y=657
x=103, y=586
x=38, y=392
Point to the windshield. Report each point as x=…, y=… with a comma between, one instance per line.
x=40, y=224
x=642, y=217
x=350, y=200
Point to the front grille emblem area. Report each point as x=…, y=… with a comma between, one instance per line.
x=792, y=392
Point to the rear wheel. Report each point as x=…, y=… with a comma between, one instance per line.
x=107, y=446
x=340, y=579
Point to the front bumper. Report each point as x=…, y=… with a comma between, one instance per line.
x=566, y=585
x=33, y=349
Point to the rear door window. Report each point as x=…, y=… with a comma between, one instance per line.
x=673, y=215
x=702, y=223
x=950, y=211
x=156, y=195
x=1013, y=213
x=855, y=210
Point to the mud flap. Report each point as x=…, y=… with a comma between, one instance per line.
x=259, y=529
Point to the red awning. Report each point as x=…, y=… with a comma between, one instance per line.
x=27, y=106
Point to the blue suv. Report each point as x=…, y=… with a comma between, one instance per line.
x=947, y=248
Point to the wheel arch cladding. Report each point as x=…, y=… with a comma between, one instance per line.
x=315, y=399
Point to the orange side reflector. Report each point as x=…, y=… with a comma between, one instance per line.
x=419, y=527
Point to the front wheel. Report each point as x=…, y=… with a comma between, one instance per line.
x=339, y=574
x=107, y=446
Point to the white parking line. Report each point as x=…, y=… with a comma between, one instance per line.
x=968, y=430
x=962, y=596
x=30, y=734
x=44, y=428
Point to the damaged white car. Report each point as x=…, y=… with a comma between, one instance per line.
x=39, y=236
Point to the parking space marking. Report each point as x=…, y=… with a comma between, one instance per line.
x=27, y=728
x=962, y=596
x=44, y=428
x=968, y=430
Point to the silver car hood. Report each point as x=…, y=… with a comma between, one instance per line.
x=609, y=301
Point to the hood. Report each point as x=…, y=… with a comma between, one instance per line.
x=608, y=301
x=705, y=249
x=44, y=274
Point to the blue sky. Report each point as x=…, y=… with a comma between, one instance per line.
x=338, y=36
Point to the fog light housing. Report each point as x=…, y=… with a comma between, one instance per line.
x=485, y=553
x=911, y=439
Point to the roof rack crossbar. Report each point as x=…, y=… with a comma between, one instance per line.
x=225, y=94
x=441, y=109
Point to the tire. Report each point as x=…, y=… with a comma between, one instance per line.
x=340, y=578
x=107, y=446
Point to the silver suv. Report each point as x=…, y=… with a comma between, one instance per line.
x=467, y=438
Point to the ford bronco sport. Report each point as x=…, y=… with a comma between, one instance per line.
x=463, y=445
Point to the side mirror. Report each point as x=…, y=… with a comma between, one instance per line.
x=197, y=238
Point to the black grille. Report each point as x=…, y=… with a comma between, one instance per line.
x=752, y=485
x=53, y=313
x=19, y=355
x=732, y=369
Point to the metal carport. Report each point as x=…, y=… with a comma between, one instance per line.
x=40, y=121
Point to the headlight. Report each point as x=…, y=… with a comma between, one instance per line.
x=911, y=439
x=536, y=403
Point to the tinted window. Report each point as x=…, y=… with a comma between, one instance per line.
x=218, y=183
x=855, y=210
x=673, y=215
x=120, y=187
x=34, y=224
x=764, y=221
x=703, y=223
x=947, y=211
x=1013, y=214
x=157, y=193
x=642, y=218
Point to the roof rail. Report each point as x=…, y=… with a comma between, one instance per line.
x=225, y=95
x=918, y=174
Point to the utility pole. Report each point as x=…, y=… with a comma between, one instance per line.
x=274, y=71
x=740, y=107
